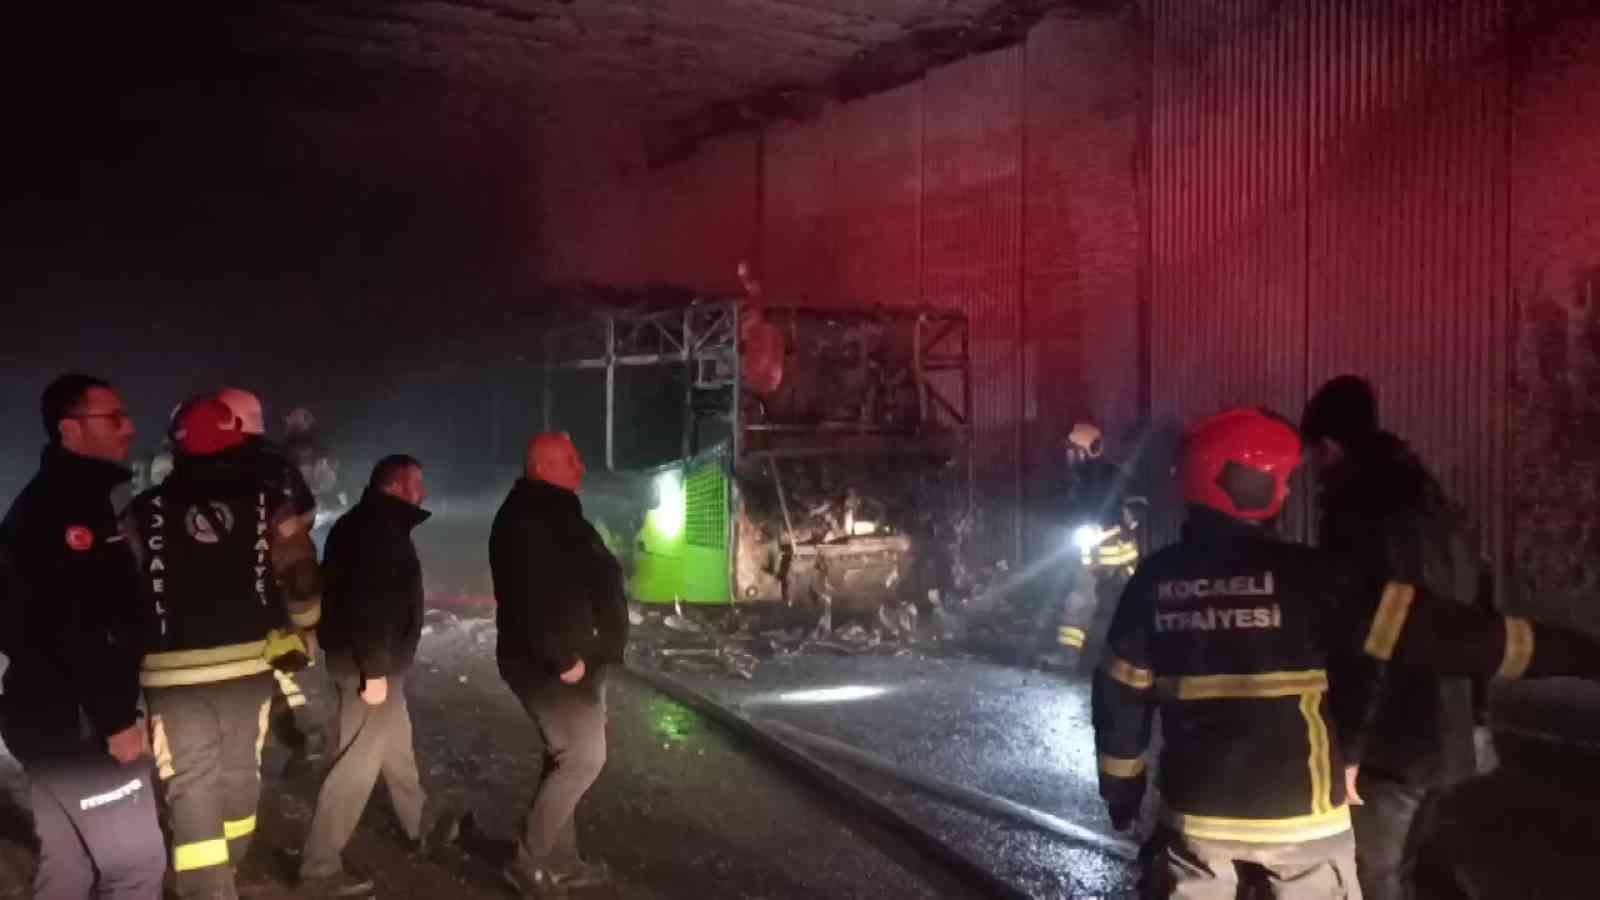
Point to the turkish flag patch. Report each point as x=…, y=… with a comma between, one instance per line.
x=79, y=538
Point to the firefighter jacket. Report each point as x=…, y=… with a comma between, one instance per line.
x=68, y=621
x=558, y=590
x=224, y=560
x=1092, y=492
x=1264, y=659
x=1390, y=518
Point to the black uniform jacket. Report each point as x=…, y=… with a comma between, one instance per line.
x=69, y=620
x=224, y=560
x=1265, y=660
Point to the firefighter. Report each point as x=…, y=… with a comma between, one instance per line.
x=303, y=446
x=1096, y=544
x=1265, y=659
x=293, y=719
x=224, y=561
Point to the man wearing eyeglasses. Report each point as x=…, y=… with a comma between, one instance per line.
x=68, y=591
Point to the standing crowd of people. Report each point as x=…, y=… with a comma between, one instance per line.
x=1316, y=704
x=144, y=646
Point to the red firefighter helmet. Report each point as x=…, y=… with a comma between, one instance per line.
x=205, y=425
x=1238, y=462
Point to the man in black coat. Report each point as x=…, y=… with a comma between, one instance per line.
x=372, y=621
x=1384, y=511
x=563, y=620
x=72, y=634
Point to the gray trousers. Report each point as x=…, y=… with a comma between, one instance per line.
x=208, y=740
x=96, y=822
x=572, y=721
x=1391, y=828
x=373, y=741
x=1188, y=868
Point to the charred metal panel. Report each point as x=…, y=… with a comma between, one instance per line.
x=972, y=246
x=877, y=198
x=1083, y=240
x=1407, y=242
x=1228, y=213
x=797, y=244
x=702, y=216
x=1554, y=483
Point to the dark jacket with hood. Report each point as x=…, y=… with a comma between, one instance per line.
x=69, y=620
x=372, y=607
x=558, y=590
x=1382, y=510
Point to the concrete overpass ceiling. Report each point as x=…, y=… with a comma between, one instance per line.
x=678, y=70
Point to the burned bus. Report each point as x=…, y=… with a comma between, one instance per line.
x=745, y=453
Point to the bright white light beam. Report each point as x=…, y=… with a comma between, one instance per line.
x=842, y=694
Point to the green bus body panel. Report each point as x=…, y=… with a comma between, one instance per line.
x=688, y=559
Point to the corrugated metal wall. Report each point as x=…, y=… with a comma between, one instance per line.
x=702, y=216
x=1555, y=278
x=972, y=256
x=1228, y=216
x=1084, y=241
x=797, y=244
x=1328, y=197
x=579, y=215
x=877, y=198
x=1407, y=244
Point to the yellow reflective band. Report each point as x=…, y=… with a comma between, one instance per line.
x=1118, y=554
x=1263, y=831
x=200, y=855
x=1519, y=648
x=262, y=721
x=1119, y=669
x=1390, y=620
x=1320, y=757
x=239, y=828
x=1117, y=767
x=203, y=674
x=1252, y=686
x=1070, y=637
x=161, y=748
x=185, y=659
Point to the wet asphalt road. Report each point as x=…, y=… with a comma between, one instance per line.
x=682, y=809
x=686, y=810
x=1023, y=735
x=1529, y=831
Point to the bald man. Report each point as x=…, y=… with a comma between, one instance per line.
x=562, y=620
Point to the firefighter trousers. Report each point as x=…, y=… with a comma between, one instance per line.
x=294, y=721
x=96, y=823
x=207, y=740
x=1181, y=867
